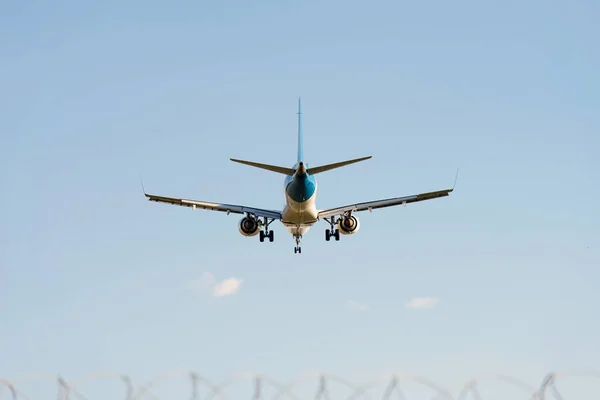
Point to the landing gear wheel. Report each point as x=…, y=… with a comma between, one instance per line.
x=298, y=238
x=333, y=232
x=264, y=235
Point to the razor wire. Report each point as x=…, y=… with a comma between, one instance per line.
x=71, y=389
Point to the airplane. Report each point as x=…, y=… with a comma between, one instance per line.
x=300, y=212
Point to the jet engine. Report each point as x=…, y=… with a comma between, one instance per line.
x=249, y=226
x=348, y=225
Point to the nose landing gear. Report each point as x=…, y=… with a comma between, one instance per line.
x=298, y=249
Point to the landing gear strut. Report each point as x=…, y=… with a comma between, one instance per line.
x=266, y=233
x=333, y=232
x=298, y=249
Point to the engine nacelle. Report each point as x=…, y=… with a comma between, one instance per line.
x=249, y=226
x=348, y=225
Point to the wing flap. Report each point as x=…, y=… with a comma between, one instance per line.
x=371, y=205
x=205, y=205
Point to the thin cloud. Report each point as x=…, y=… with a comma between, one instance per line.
x=357, y=305
x=204, y=283
x=422, y=302
x=227, y=287
x=208, y=284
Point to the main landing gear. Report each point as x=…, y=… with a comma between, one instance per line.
x=333, y=232
x=266, y=233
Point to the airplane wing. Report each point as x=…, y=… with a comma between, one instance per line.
x=371, y=205
x=228, y=208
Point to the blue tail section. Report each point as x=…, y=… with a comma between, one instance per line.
x=301, y=186
x=300, y=139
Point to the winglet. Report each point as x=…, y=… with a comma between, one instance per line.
x=455, y=179
x=142, y=183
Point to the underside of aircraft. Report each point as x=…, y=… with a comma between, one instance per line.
x=300, y=212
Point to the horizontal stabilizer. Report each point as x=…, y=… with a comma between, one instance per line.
x=274, y=168
x=328, y=167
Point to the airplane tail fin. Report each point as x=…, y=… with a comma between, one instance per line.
x=275, y=168
x=328, y=167
x=291, y=171
x=322, y=168
x=300, y=135
x=268, y=167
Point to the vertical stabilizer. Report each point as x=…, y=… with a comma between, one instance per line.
x=300, y=141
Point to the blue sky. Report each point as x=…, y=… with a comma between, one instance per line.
x=96, y=278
